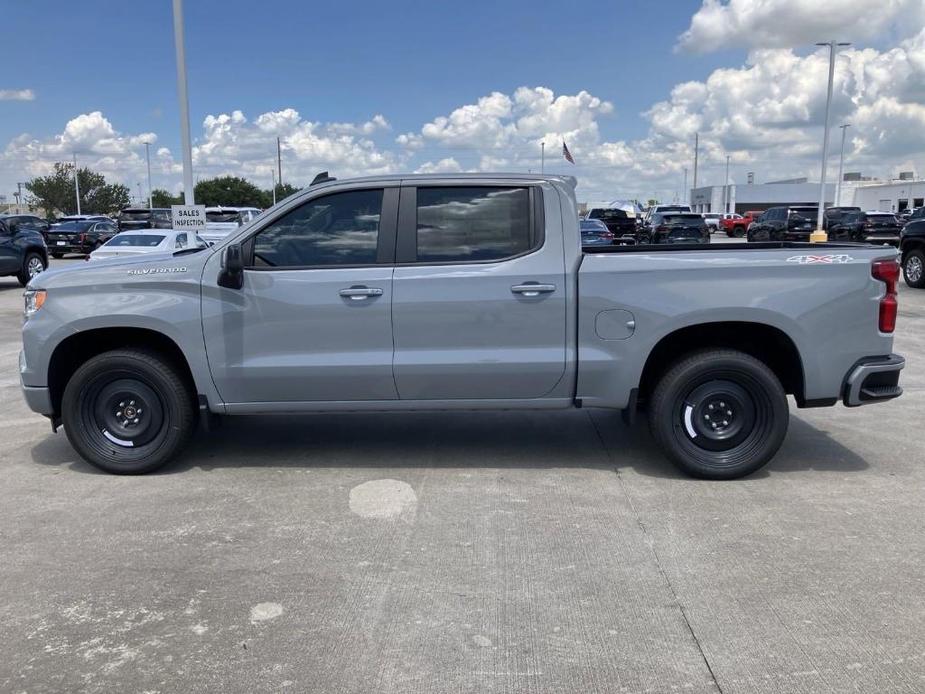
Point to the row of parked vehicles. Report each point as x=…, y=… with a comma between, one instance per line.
x=677, y=224
x=27, y=241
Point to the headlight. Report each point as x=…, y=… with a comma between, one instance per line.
x=35, y=298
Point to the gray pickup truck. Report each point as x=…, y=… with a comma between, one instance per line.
x=457, y=292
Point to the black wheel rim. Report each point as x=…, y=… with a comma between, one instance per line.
x=123, y=416
x=738, y=406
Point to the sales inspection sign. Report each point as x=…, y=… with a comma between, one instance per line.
x=188, y=217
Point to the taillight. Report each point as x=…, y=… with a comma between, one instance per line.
x=661, y=228
x=887, y=271
x=606, y=234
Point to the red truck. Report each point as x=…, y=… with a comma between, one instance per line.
x=737, y=225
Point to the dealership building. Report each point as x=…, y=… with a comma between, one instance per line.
x=758, y=196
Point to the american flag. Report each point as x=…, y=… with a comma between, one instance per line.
x=566, y=153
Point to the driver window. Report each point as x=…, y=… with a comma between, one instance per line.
x=336, y=229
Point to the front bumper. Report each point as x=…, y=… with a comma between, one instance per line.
x=38, y=399
x=873, y=380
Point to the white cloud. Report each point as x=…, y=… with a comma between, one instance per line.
x=17, y=95
x=448, y=165
x=720, y=24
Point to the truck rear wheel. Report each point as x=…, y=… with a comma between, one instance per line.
x=128, y=411
x=719, y=414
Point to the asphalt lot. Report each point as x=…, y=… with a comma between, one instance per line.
x=466, y=552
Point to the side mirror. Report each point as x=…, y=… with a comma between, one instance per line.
x=232, y=273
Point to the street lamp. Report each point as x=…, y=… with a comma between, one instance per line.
x=726, y=188
x=76, y=184
x=148, y=157
x=841, y=163
x=819, y=234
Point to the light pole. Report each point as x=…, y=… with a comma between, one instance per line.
x=148, y=157
x=841, y=163
x=19, y=197
x=279, y=160
x=76, y=184
x=726, y=188
x=184, y=102
x=819, y=234
x=686, y=192
x=274, y=186
x=542, y=157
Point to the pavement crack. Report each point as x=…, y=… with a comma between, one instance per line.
x=658, y=562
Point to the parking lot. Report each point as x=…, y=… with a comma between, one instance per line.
x=466, y=552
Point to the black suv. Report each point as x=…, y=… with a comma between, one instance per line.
x=26, y=221
x=784, y=224
x=22, y=252
x=81, y=237
x=135, y=218
x=678, y=227
x=912, y=248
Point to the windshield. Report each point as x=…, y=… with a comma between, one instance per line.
x=73, y=226
x=222, y=216
x=135, y=241
x=806, y=213
x=608, y=214
x=135, y=215
x=683, y=219
x=592, y=225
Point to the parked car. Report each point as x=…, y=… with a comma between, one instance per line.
x=136, y=243
x=917, y=213
x=83, y=218
x=881, y=227
x=833, y=215
x=80, y=237
x=847, y=226
x=736, y=225
x=470, y=292
x=221, y=221
x=784, y=224
x=595, y=233
x=712, y=220
x=912, y=248
x=27, y=221
x=22, y=252
x=655, y=209
x=679, y=227
x=134, y=218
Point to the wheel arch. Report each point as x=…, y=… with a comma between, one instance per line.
x=766, y=343
x=76, y=349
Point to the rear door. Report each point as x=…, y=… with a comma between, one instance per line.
x=312, y=322
x=479, y=307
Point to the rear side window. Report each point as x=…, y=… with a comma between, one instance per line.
x=336, y=229
x=462, y=224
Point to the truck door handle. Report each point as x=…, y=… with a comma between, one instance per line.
x=359, y=293
x=533, y=289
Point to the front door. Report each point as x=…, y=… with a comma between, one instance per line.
x=10, y=260
x=313, y=319
x=479, y=308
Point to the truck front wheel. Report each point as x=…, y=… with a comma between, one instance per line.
x=128, y=411
x=719, y=414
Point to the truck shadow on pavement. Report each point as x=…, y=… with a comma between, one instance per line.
x=572, y=439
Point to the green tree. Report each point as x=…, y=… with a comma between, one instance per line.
x=55, y=192
x=229, y=190
x=161, y=198
x=284, y=190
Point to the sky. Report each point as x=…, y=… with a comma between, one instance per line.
x=364, y=87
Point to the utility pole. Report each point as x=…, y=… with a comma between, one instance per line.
x=184, y=102
x=148, y=157
x=279, y=161
x=274, y=186
x=76, y=184
x=686, y=191
x=841, y=164
x=696, y=155
x=819, y=234
x=542, y=157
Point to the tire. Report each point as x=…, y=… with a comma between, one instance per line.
x=738, y=232
x=686, y=404
x=914, y=269
x=32, y=265
x=130, y=386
